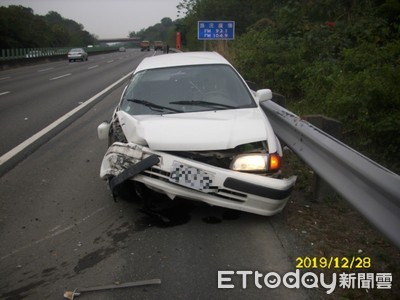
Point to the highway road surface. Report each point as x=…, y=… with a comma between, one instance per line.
x=33, y=97
x=60, y=228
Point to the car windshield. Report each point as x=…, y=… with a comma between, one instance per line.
x=186, y=89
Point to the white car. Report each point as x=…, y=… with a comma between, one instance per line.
x=77, y=54
x=188, y=126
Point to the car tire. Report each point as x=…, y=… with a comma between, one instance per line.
x=116, y=134
x=126, y=191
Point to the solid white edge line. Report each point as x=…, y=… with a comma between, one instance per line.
x=13, y=152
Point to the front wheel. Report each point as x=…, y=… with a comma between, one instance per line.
x=116, y=134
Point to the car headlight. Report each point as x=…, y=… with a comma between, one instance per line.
x=256, y=163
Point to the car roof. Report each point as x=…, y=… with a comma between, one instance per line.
x=181, y=59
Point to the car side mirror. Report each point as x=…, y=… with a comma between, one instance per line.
x=263, y=95
x=103, y=130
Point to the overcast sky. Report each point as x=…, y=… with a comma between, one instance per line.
x=105, y=18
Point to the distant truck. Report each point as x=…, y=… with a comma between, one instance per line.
x=144, y=45
x=158, y=45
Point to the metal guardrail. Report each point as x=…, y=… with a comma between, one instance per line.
x=372, y=189
x=18, y=53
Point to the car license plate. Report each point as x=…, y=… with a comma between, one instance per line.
x=191, y=177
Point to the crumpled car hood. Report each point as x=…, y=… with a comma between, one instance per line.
x=197, y=131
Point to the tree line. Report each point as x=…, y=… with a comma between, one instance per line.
x=340, y=58
x=21, y=28
x=163, y=31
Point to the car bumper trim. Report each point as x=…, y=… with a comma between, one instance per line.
x=262, y=191
x=133, y=170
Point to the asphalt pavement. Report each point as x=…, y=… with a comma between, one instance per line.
x=61, y=229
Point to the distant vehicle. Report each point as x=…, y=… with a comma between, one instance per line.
x=158, y=45
x=144, y=45
x=122, y=49
x=77, y=54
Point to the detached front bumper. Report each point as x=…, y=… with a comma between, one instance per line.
x=176, y=176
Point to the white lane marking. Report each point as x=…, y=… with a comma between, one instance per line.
x=54, y=234
x=62, y=76
x=110, y=61
x=55, y=228
x=4, y=78
x=4, y=93
x=92, y=67
x=43, y=70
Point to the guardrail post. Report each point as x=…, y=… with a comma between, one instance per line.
x=320, y=188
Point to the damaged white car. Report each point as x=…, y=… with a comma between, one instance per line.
x=188, y=126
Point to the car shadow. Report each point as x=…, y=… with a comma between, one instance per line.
x=157, y=210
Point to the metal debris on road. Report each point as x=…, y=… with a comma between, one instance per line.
x=72, y=294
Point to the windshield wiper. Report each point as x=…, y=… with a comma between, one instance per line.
x=153, y=105
x=203, y=103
